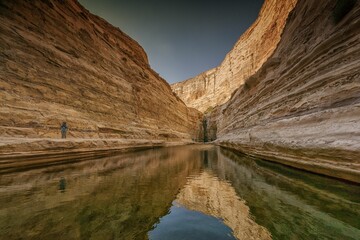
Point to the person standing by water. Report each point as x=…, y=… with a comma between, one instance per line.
x=62, y=184
x=63, y=129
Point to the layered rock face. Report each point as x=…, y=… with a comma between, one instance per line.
x=302, y=107
x=214, y=87
x=61, y=63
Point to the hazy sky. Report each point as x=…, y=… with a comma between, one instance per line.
x=181, y=38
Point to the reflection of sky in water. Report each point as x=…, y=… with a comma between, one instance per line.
x=182, y=223
x=125, y=196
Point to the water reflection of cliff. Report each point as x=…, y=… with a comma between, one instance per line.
x=292, y=204
x=123, y=197
x=115, y=198
x=208, y=194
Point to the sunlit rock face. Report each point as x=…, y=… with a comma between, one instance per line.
x=255, y=46
x=208, y=194
x=58, y=62
x=302, y=107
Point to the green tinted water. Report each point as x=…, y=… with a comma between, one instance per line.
x=190, y=192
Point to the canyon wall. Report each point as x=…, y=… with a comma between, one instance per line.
x=58, y=62
x=302, y=107
x=214, y=87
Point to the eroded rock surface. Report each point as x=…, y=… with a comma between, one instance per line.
x=302, y=107
x=297, y=98
x=58, y=62
x=214, y=87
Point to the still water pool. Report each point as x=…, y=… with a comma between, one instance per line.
x=189, y=192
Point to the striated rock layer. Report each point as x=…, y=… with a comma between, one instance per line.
x=58, y=62
x=214, y=87
x=302, y=107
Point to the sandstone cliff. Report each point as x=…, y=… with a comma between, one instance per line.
x=58, y=62
x=302, y=107
x=214, y=87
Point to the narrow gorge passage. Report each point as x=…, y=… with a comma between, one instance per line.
x=96, y=144
x=289, y=90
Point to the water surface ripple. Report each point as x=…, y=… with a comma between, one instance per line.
x=189, y=192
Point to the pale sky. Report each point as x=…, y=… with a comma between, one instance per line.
x=181, y=38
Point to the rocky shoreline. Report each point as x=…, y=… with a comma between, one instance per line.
x=45, y=152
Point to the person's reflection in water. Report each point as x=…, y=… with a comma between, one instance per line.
x=62, y=184
x=205, y=159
